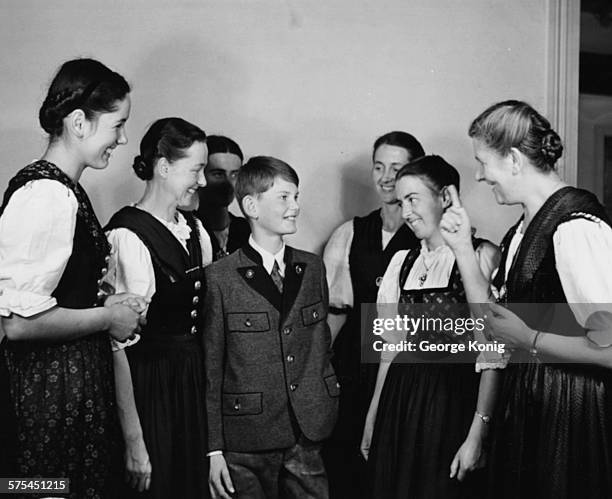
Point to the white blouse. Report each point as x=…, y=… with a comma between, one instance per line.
x=130, y=268
x=36, y=234
x=436, y=266
x=583, y=255
x=336, y=258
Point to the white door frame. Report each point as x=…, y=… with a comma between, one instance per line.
x=562, y=85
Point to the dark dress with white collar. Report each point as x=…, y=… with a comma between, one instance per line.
x=167, y=364
x=426, y=405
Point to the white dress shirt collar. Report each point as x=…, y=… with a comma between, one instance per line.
x=268, y=258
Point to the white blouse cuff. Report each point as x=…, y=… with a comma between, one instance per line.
x=24, y=303
x=120, y=345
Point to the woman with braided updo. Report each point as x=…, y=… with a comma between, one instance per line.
x=553, y=425
x=159, y=252
x=53, y=254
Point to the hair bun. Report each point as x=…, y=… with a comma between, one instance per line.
x=552, y=147
x=142, y=169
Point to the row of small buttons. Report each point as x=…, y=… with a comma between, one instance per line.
x=197, y=285
x=100, y=281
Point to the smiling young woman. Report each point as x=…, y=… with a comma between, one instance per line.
x=53, y=254
x=159, y=252
x=356, y=257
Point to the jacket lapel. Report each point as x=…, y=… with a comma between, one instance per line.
x=257, y=278
x=294, y=274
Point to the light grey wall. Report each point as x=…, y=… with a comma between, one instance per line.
x=313, y=82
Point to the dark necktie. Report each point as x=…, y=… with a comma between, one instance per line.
x=276, y=277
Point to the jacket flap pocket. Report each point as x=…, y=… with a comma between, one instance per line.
x=242, y=404
x=313, y=313
x=248, y=322
x=333, y=385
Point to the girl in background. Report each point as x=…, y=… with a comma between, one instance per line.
x=356, y=257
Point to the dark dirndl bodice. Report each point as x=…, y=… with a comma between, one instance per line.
x=427, y=404
x=167, y=363
x=62, y=393
x=553, y=430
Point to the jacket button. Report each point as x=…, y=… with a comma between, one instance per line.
x=315, y=314
x=248, y=323
x=104, y=271
x=197, y=285
x=290, y=358
x=107, y=259
x=293, y=387
x=287, y=330
x=337, y=385
x=250, y=274
x=196, y=300
x=237, y=405
x=100, y=294
x=194, y=330
x=194, y=314
x=100, y=282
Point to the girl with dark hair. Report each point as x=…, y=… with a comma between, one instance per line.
x=422, y=430
x=356, y=257
x=553, y=425
x=53, y=255
x=160, y=252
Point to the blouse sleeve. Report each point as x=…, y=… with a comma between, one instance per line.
x=583, y=249
x=488, y=260
x=130, y=270
x=36, y=237
x=336, y=258
x=205, y=243
x=388, y=298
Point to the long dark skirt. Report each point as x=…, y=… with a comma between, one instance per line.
x=553, y=437
x=168, y=378
x=63, y=401
x=423, y=417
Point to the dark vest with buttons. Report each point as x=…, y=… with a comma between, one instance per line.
x=533, y=276
x=367, y=263
x=79, y=284
x=175, y=306
x=367, y=258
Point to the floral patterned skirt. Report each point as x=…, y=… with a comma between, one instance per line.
x=63, y=399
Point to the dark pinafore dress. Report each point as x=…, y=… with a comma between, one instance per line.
x=367, y=262
x=553, y=426
x=63, y=393
x=426, y=406
x=167, y=364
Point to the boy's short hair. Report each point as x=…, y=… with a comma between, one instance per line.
x=258, y=175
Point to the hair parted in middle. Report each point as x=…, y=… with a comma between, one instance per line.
x=400, y=139
x=166, y=138
x=433, y=170
x=258, y=175
x=222, y=144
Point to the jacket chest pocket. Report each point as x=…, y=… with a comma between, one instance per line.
x=256, y=322
x=313, y=313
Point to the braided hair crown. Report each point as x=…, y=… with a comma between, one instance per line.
x=84, y=84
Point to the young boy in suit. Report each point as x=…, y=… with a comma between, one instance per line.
x=271, y=392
